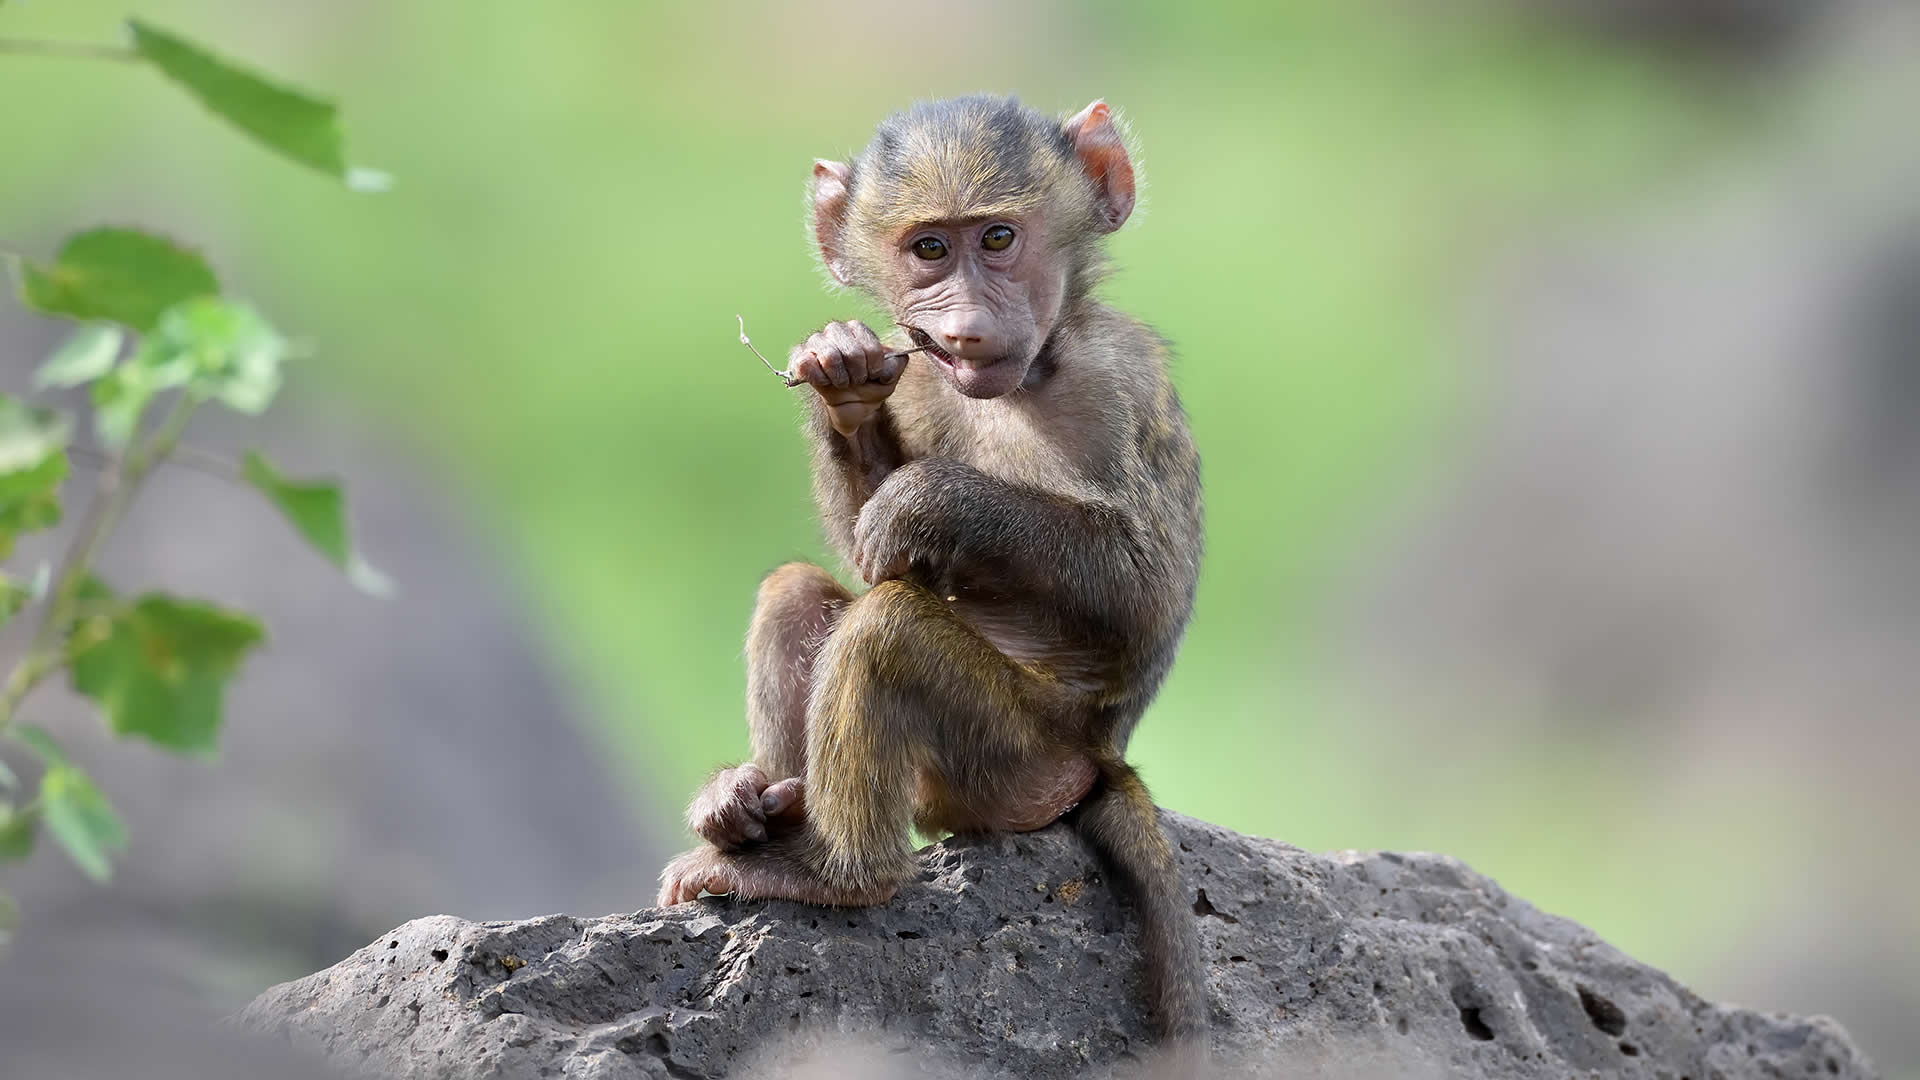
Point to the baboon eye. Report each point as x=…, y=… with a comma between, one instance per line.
x=930, y=248
x=997, y=238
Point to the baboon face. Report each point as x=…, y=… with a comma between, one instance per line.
x=974, y=220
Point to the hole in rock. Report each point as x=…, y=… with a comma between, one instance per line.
x=1204, y=907
x=1605, y=1014
x=1476, y=1027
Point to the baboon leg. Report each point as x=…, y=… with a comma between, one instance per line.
x=796, y=608
x=902, y=688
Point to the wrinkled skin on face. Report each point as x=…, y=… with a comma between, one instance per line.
x=984, y=313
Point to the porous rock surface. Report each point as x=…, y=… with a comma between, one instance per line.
x=1011, y=957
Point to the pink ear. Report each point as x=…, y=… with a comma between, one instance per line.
x=1104, y=156
x=830, y=216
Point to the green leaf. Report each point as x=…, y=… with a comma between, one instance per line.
x=19, y=488
x=118, y=275
x=94, y=602
x=30, y=501
x=86, y=356
x=16, y=831
x=28, y=438
x=14, y=598
x=296, y=125
x=161, y=670
x=315, y=510
x=218, y=349
x=41, y=742
x=119, y=400
x=82, y=820
x=32, y=464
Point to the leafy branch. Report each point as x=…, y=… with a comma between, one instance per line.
x=158, y=340
x=294, y=124
x=118, y=485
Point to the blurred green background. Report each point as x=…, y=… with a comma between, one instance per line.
x=587, y=193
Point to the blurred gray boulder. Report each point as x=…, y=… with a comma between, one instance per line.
x=1736, y=29
x=1686, y=515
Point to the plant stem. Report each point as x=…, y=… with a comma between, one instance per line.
x=26, y=675
x=205, y=462
x=72, y=50
x=119, y=482
x=164, y=441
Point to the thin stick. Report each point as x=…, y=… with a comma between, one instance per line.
x=790, y=380
x=749, y=344
x=185, y=457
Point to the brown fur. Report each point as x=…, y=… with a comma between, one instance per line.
x=1040, y=550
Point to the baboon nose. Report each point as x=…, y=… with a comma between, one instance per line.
x=967, y=334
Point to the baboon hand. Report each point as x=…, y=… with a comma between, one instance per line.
x=910, y=520
x=740, y=807
x=847, y=366
x=728, y=812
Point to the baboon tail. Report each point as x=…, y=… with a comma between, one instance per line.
x=1119, y=821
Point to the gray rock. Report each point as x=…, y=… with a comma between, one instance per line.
x=1010, y=957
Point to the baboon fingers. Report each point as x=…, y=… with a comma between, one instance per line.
x=727, y=813
x=685, y=877
x=785, y=800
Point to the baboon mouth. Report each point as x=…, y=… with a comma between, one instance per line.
x=924, y=340
x=972, y=376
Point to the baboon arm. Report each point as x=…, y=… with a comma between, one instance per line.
x=847, y=470
x=1081, y=559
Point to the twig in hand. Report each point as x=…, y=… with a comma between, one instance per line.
x=756, y=352
x=790, y=380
